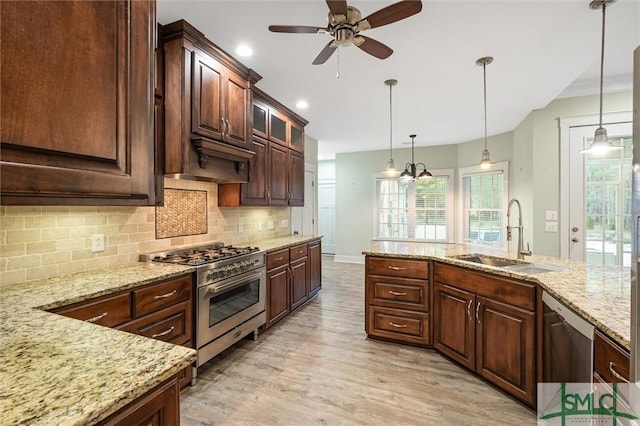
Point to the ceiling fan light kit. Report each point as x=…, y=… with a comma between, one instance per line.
x=345, y=24
x=601, y=143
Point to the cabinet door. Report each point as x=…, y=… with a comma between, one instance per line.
x=237, y=110
x=296, y=179
x=77, y=106
x=278, y=165
x=207, y=115
x=260, y=117
x=254, y=193
x=278, y=128
x=277, y=295
x=299, y=291
x=505, y=352
x=297, y=137
x=315, y=267
x=454, y=324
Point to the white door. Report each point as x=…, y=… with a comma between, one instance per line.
x=303, y=219
x=599, y=219
x=327, y=215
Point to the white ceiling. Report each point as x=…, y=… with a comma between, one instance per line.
x=542, y=50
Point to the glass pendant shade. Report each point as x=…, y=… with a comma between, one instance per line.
x=391, y=168
x=485, y=162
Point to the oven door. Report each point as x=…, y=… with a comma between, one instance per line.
x=227, y=304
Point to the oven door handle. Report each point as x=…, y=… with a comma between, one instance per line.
x=216, y=289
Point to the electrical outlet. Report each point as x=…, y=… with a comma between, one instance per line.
x=97, y=242
x=551, y=226
x=271, y=225
x=240, y=227
x=259, y=226
x=284, y=223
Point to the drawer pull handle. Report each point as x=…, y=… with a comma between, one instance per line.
x=278, y=258
x=396, y=268
x=98, y=317
x=164, y=296
x=393, y=324
x=300, y=251
x=397, y=293
x=164, y=333
x=615, y=373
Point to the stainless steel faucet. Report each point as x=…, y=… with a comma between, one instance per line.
x=521, y=251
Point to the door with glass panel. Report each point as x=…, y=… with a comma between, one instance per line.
x=600, y=198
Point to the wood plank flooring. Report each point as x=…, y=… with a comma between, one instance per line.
x=317, y=367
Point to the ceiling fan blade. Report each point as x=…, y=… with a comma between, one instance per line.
x=325, y=53
x=296, y=29
x=392, y=13
x=375, y=48
x=337, y=7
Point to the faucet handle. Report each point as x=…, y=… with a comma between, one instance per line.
x=526, y=252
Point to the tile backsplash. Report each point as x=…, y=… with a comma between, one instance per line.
x=44, y=241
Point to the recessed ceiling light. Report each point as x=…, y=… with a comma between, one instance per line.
x=244, y=50
x=302, y=104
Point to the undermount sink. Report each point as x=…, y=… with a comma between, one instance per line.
x=498, y=262
x=509, y=264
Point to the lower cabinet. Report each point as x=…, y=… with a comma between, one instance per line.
x=160, y=406
x=611, y=362
x=162, y=310
x=487, y=324
x=293, y=277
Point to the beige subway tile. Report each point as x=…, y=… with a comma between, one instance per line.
x=24, y=210
x=98, y=263
x=141, y=236
x=3, y=210
x=24, y=262
x=121, y=259
x=70, y=244
x=117, y=219
x=56, y=258
x=56, y=210
x=81, y=231
x=108, y=251
x=127, y=248
x=69, y=221
x=39, y=221
x=54, y=234
x=17, y=249
x=153, y=246
x=128, y=228
x=13, y=277
x=147, y=227
x=23, y=236
x=71, y=267
x=97, y=219
x=151, y=217
x=81, y=254
x=41, y=247
x=117, y=239
x=3, y=263
x=106, y=229
x=3, y=237
x=42, y=272
x=12, y=222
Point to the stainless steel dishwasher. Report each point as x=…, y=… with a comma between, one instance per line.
x=568, y=344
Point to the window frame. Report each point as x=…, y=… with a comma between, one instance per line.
x=449, y=174
x=501, y=167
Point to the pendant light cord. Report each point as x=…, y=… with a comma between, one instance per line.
x=390, y=121
x=604, y=7
x=484, y=72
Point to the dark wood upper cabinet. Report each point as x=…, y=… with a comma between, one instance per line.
x=77, y=104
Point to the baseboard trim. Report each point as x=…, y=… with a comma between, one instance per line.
x=349, y=259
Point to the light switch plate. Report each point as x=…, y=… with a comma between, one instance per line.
x=551, y=226
x=551, y=215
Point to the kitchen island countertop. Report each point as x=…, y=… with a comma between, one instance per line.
x=58, y=370
x=600, y=294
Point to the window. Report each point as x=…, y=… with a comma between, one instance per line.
x=484, y=198
x=420, y=210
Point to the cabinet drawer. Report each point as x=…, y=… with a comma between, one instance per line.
x=159, y=296
x=297, y=252
x=169, y=325
x=109, y=312
x=400, y=325
x=278, y=258
x=398, y=293
x=398, y=268
x=516, y=293
x=610, y=360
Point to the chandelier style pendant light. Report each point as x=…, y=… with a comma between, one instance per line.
x=485, y=161
x=410, y=169
x=601, y=144
x=391, y=168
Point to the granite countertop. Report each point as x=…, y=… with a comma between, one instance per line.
x=600, y=294
x=58, y=370
x=277, y=243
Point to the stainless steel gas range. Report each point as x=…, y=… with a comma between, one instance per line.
x=230, y=293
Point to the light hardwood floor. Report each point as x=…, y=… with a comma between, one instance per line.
x=317, y=367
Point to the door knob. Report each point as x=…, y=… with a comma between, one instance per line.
x=574, y=229
x=574, y=239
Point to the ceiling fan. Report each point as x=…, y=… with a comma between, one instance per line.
x=345, y=25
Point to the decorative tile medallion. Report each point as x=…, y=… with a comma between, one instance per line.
x=184, y=213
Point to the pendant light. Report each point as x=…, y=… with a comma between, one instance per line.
x=601, y=144
x=391, y=168
x=485, y=161
x=411, y=169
